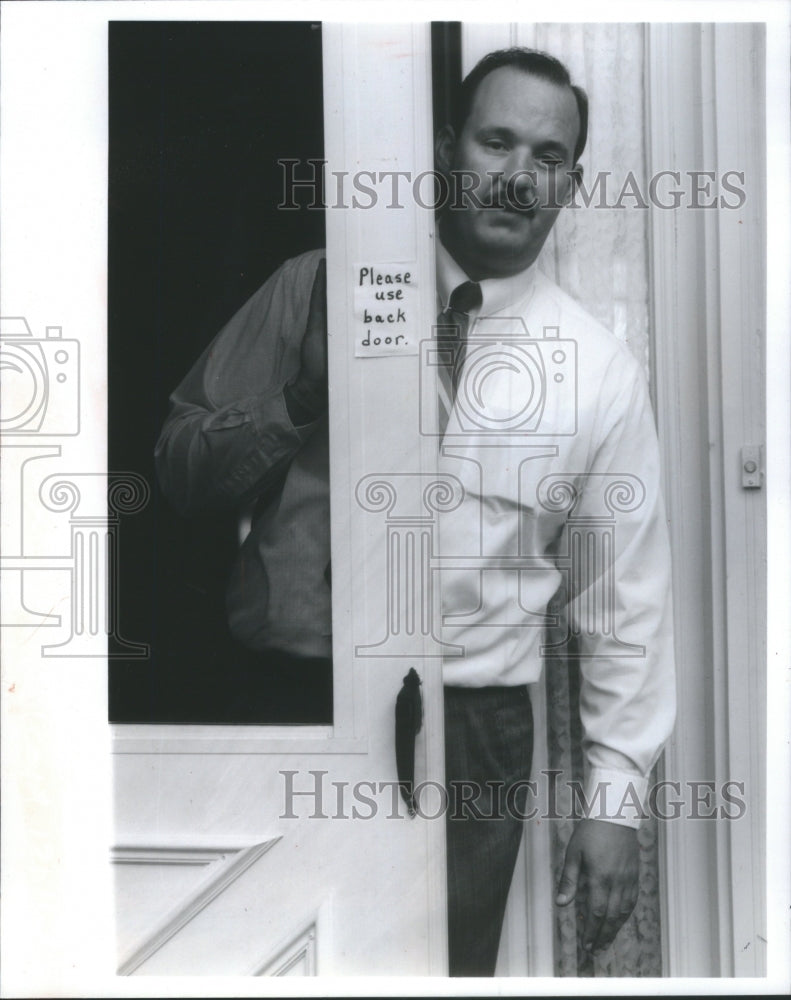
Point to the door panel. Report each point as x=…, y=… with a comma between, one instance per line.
x=281, y=885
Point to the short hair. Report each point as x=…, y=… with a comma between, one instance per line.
x=531, y=62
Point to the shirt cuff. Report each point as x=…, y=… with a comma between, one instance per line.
x=616, y=796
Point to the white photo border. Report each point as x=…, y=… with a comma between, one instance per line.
x=58, y=937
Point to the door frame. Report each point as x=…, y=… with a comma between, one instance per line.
x=704, y=83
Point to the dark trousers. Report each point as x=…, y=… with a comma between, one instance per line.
x=488, y=751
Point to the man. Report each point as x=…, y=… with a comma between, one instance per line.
x=249, y=424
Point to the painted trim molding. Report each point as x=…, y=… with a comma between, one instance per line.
x=227, y=863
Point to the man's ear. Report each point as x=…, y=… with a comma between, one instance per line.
x=444, y=149
x=575, y=179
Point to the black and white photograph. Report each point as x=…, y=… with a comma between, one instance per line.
x=395, y=501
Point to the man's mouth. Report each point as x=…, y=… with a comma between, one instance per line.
x=509, y=200
x=528, y=210
x=516, y=210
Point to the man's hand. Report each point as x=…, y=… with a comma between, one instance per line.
x=606, y=855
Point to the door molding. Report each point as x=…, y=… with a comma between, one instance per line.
x=225, y=863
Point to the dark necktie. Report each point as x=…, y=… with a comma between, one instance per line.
x=452, y=326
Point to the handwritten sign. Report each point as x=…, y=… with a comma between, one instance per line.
x=385, y=310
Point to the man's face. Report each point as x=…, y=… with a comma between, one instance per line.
x=518, y=142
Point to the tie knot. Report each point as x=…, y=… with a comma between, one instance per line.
x=466, y=297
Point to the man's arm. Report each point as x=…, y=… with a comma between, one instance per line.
x=252, y=398
x=627, y=700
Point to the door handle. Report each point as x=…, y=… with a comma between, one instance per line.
x=408, y=722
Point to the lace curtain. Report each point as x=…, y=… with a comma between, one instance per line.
x=600, y=257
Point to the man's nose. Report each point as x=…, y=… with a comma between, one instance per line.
x=521, y=183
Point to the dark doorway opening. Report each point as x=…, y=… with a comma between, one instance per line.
x=199, y=114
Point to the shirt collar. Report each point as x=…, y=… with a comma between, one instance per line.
x=497, y=293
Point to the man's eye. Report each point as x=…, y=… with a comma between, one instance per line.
x=550, y=160
x=494, y=144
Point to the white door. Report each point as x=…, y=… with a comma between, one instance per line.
x=222, y=865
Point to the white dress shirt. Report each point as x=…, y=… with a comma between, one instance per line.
x=552, y=438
